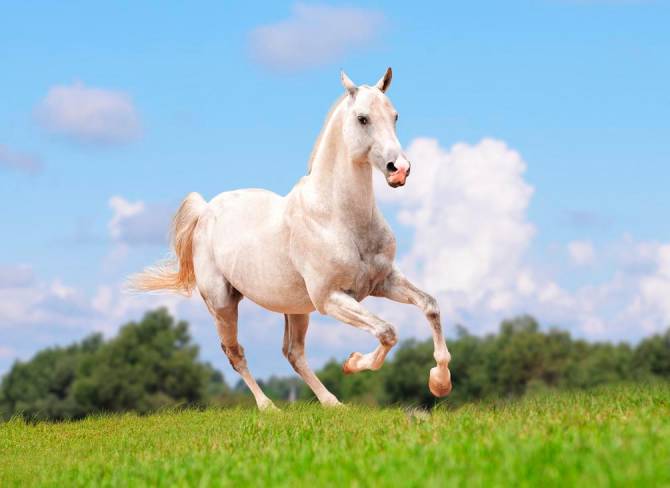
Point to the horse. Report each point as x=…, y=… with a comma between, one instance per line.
x=324, y=247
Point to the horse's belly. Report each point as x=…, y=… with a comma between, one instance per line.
x=271, y=283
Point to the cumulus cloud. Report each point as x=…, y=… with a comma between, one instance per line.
x=314, y=35
x=23, y=304
x=136, y=223
x=44, y=313
x=35, y=314
x=15, y=276
x=651, y=304
x=14, y=160
x=88, y=114
x=467, y=207
x=584, y=219
x=6, y=352
x=581, y=252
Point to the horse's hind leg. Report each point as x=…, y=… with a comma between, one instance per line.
x=223, y=307
x=295, y=329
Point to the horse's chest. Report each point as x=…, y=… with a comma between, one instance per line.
x=374, y=266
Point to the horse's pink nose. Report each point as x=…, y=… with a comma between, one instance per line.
x=399, y=171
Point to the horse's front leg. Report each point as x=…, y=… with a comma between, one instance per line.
x=399, y=289
x=344, y=308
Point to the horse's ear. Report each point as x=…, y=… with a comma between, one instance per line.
x=384, y=83
x=348, y=84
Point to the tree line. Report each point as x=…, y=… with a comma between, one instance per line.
x=153, y=364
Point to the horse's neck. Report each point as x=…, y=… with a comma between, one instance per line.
x=344, y=188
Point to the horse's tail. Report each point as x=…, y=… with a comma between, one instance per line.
x=175, y=274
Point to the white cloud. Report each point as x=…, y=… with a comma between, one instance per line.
x=46, y=313
x=89, y=114
x=135, y=223
x=314, y=35
x=6, y=353
x=39, y=302
x=15, y=276
x=35, y=314
x=11, y=159
x=468, y=208
x=652, y=299
x=586, y=220
x=581, y=252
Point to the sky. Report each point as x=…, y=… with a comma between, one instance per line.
x=538, y=133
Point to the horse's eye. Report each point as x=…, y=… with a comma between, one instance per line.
x=396, y=117
x=363, y=119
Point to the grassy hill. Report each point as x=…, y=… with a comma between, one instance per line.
x=613, y=435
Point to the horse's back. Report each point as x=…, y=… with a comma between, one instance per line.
x=251, y=205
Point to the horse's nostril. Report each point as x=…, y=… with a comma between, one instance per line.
x=391, y=167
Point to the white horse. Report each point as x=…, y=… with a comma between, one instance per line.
x=325, y=246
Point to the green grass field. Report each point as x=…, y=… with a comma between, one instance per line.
x=610, y=436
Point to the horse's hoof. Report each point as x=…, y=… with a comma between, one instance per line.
x=439, y=382
x=351, y=364
x=330, y=401
x=268, y=407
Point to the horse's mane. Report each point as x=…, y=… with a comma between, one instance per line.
x=323, y=128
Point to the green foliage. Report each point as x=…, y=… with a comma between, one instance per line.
x=42, y=387
x=149, y=365
x=153, y=364
x=520, y=358
x=652, y=356
x=365, y=388
x=611, y=436
x=406, y=378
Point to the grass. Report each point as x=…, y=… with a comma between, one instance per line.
x=610, y=436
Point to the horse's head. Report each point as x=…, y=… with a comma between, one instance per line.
x=369, y=129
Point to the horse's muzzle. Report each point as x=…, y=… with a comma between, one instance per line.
x=397, y=178
x=397, y=172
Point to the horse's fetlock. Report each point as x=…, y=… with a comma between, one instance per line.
x=442, y=358
x=388, y=336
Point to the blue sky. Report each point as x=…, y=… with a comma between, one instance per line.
x=110, y=114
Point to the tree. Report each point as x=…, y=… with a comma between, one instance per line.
x=406, y=378
x=652, y=356
x=150, y=364
x=42, y=388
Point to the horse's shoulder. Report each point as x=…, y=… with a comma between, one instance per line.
x=382, y=229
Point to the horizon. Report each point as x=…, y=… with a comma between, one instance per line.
x=539, y=144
